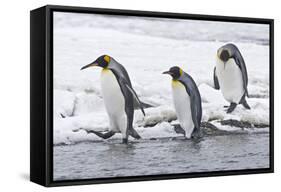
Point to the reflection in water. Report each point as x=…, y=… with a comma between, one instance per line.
x=164, y=156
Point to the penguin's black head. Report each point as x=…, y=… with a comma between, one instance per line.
x=224, y=55
x=175, y=72
x=102, y=61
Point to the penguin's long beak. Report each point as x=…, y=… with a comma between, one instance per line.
x=90, y=65
x=167, y=72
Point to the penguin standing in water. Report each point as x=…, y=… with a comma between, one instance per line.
x=230, y=75
x=118, y=96
x=187, y=101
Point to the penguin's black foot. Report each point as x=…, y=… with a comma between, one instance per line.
x=231, y=107
x=179, y=129
x=102, y=135
x=125, y=141
x=196, y=134
x=193, y=137
x=246, y=105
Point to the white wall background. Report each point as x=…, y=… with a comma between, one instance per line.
x=14, y=95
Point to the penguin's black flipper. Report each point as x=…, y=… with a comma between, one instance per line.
x=244, y=102
x=195, y=99
x=126, y=86
x=216, y=81
x=146, y=105
x=134, y=133
x=194, y=113
x=246, y=105
x=136, y=97
x=124, y=81
x=239, y=60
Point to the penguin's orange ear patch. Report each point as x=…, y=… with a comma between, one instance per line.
x=106, y=58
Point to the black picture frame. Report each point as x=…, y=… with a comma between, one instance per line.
x=41, y=93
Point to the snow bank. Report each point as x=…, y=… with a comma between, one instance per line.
x=155, y=115
x=158, y=121
x=64, y=102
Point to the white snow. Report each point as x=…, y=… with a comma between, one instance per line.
x=147, y=50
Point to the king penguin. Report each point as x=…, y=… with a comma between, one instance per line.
x=230, y=75
x=118, y=96
x=187, y=101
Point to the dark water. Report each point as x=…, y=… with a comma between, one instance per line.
x=149, y=157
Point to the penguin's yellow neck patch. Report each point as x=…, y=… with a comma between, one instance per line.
x=105, y=70
x=176, y=83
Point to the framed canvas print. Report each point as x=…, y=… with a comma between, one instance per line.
x=120, y=95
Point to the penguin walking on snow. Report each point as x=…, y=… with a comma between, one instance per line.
x=119, y=98
x=230, y=75
x=187, y=101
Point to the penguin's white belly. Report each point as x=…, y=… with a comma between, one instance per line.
x=230, y=80
x=183, y=107
x=114, y=101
